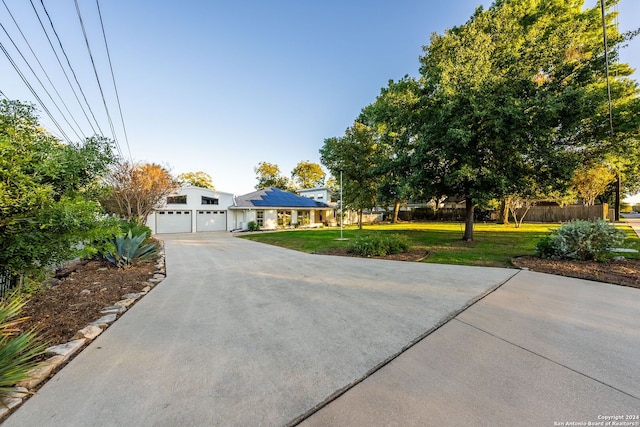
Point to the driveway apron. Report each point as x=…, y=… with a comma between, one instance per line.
x=241, y=333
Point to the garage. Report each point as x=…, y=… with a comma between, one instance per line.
x=211, y=221
x=175, y=221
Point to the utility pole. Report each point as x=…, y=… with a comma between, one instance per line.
x=606, y=62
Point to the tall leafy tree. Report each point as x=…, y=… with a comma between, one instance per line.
x=510, y=97
x=269, y=175
x=48, y=193
x=392, y=116
x=308, y=175
x=353, y=155
x=197, y=179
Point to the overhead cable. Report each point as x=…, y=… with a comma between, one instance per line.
x=95, y=71
x=68, y=63
x=38, y=79
x=82, y=108
x=44, y=71
x=33, y=92
x=113, y=78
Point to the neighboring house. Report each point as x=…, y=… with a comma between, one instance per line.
x=192, y=209
x=320, y=194
x=273, y=208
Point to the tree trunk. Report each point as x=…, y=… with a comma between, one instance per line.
x=468, y=226
x=504, y=212
x=396, y=209
x=360, y=219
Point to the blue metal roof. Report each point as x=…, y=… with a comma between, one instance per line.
x=274, y=197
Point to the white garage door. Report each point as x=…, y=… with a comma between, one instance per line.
x=211, y=221
x=173, y=222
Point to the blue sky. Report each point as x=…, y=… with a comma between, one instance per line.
x=221, y=86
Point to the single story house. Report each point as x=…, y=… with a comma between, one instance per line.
x=194, y=209
x=273, y=208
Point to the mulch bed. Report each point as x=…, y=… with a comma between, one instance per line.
x=625, y=272
x=76, y=300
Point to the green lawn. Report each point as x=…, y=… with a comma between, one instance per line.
x=494, y=244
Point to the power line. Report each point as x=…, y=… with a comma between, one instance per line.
x=69, y=64
x=33, y=92
x=113, y=78
x=43, y=69
x=95, y=71
x=62, y=67
x=38, y=79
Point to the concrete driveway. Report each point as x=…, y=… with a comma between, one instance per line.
x=246, y=334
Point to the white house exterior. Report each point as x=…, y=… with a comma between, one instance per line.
x=273, y=208
x=320, y=194
x=191, y=210
x=194, y=209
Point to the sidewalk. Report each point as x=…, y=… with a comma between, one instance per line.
x=633, y=220
x=541, y=350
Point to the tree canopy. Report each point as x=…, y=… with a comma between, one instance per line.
x=196, y=179
x=48, y=193
x=136, y=189
x=308, y=175
x=509, y=104
x=269, y=175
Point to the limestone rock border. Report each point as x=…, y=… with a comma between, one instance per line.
x=62, y=353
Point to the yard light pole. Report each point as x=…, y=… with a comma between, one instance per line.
x=341, y=208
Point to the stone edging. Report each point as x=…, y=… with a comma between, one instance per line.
x=62, y=353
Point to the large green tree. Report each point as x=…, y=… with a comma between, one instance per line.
x=510, y=98
x=392, y=116
x=352, y=156
x=48, y=193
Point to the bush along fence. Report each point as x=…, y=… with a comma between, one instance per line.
x=8, y=282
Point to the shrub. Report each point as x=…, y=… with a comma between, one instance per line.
x=253, y=226
x=582, y=240
x=129, y=248
x=135, y=228
x=379, y=245
x=17, y=349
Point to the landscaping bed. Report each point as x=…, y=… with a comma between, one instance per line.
x=625, y=272
x=59, y=311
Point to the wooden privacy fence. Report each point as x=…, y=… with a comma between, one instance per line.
x=566, y=213
x=535, y=214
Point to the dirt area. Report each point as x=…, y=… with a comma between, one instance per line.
x=625, y=272
x=77, y=299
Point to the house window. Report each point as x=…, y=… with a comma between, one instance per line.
x=209, y=200
x=177, y=200
x=303, y=218
x=284, y=218
x=260, y=218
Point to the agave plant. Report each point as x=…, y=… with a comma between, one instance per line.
x=129, y=248
x=18, y=350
